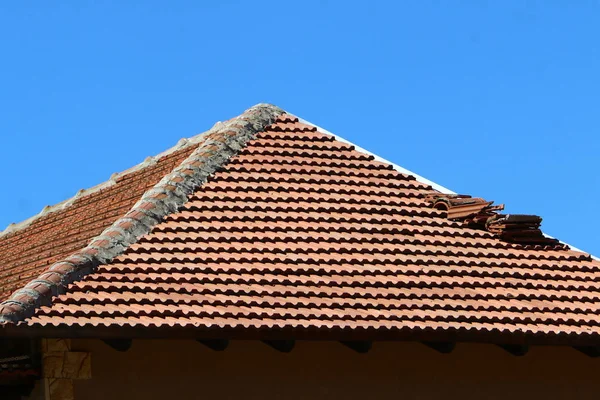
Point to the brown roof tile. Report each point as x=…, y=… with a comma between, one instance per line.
x=301, y=233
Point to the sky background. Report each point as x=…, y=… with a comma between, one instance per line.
x=494, y=99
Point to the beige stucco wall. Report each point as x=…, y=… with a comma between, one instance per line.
x=173, y=370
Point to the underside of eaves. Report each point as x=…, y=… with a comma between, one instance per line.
x=293, y=233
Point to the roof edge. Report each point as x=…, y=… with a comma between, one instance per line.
x=418, y=177
x=398, y=168
x=217, y=146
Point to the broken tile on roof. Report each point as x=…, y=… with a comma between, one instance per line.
x=298, y=233
x=460, y=206
x=479, y=213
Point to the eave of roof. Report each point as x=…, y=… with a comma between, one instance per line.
x=336, y=333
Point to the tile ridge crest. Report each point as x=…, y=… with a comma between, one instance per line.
x=216, y=146
x=182, y=143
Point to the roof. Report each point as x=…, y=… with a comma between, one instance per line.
x=271, y=228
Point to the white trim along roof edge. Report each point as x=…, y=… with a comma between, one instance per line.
x=398, y=168
x=418, y=177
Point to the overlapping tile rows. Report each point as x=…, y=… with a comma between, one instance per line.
x=25, y=253
x=300, y=231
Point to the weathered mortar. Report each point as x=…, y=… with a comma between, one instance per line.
x=217, y=146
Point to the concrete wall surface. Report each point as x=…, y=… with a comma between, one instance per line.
x=185, y=369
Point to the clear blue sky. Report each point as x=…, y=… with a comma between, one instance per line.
x=494, y=99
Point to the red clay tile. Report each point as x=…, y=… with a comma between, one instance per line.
x=300, y=231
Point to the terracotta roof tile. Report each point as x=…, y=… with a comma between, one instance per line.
x=301, y=233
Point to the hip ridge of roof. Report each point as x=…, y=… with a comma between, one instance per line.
x=216, y=147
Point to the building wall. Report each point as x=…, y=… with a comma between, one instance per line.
x=182, y=369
